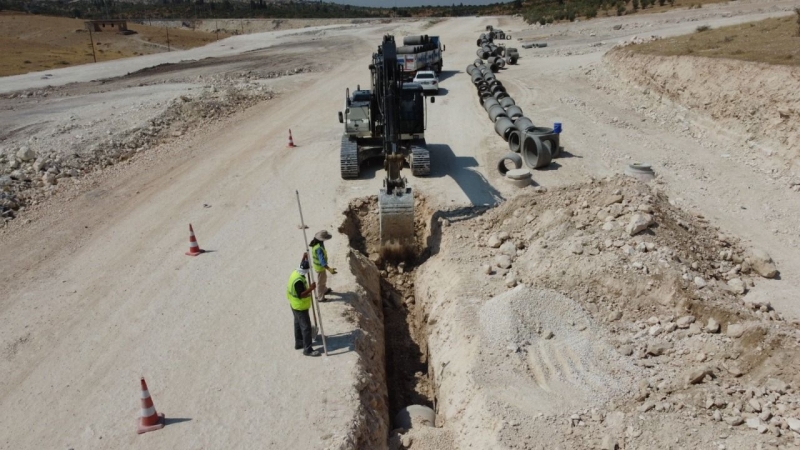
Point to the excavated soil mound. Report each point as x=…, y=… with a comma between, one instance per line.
x=600, y=312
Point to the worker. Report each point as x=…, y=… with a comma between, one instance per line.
x=319, y=258
x=299, y=294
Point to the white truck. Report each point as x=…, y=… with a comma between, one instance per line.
x=420, y=53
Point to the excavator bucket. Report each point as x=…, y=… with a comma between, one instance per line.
x=396, y=212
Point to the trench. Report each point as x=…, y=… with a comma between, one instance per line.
x=408, y=380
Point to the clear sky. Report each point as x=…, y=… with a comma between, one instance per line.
x=401, y=3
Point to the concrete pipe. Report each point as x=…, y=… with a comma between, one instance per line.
x=495, y=112
x=496, y=88
x=481, y=54
x=510, y=157
x=499, y=95
x=514, y=111
x=478, y=42
x=489, y=102
x=494, y=82
x=508, y=101
x=478, y=63
x=415, y=40
x=503, y=126
x=642, y=172
x=514, y=140
x=501, y=63
x=415, y=416
x=471, y=68
x=523, y=124
x=494, y=67
x=548, y=135
x=477, y=79
x=535, y=154
x=519, y=177
x=484, y=95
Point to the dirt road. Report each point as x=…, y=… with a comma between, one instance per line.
x=97, y=292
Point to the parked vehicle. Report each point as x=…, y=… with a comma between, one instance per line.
x=428, y=80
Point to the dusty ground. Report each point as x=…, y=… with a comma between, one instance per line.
x=97, y=291
x=31, y=43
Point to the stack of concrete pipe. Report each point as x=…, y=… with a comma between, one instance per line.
x=538, y=145
x=499, y=55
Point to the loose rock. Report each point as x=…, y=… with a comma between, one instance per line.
x=639, y=223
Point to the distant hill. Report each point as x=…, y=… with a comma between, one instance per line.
x=187, y=9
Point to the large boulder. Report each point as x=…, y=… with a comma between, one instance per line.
x=762, y=263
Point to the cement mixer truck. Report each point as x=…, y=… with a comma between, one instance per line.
x=421, y=52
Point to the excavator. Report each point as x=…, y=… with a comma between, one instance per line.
x=388, y=121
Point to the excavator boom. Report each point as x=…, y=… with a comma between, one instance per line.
x=395, y=199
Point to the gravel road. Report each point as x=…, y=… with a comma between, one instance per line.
x=97, y=291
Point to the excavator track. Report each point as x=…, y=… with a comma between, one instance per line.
x=420, y=161
x=349, y=157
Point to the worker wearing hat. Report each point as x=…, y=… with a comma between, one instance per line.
x=299, y=294
x=319, y=259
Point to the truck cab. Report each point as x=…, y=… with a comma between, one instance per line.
x=356, y=116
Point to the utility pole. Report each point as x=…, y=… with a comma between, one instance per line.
x=91, y=41
x=167, y=29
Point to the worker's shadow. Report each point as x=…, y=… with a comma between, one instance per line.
x=463, y=170
x=339, y=344
x=342, y=342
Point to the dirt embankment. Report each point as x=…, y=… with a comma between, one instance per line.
x=599, y=315
x=751, y=103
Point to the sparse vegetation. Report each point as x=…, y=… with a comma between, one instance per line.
x=66, y=42
x=770, y=41
x=703, y=28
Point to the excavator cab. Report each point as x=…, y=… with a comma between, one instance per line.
x=412, y=110
x=356, y=118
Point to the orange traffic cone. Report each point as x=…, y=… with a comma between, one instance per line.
x=291, y=141
x=194, y=249
x=150, y=420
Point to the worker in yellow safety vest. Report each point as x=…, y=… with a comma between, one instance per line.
x=319, y=259
x=299, y=294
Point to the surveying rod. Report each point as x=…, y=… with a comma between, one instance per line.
x=314, y=300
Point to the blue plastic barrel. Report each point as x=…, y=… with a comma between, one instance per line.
x=557, y=127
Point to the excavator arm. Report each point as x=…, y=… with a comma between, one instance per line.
x=395, y=199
